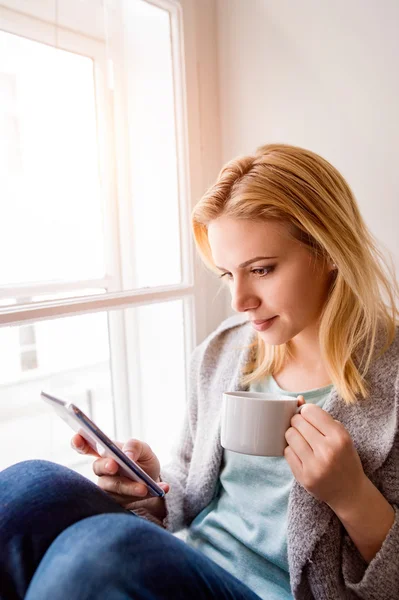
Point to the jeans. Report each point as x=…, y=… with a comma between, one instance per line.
x=62, y=537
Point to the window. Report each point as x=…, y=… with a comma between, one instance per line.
x=51, y=181
x=96, y=294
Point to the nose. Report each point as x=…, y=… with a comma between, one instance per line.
x=243, y=298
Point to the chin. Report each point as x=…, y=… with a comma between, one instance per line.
x=276, y=338
x=273, y=340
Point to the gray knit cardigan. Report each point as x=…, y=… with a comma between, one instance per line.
x=323, y=561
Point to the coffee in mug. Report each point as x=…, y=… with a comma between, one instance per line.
x=255, y=423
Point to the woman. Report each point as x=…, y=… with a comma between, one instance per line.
x=317, y=319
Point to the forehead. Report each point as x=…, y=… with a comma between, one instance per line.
x=237, y=240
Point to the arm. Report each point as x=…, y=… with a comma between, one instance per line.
x=325, y=462
x=367, y=518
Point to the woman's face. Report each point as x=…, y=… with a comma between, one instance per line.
x=270, y=275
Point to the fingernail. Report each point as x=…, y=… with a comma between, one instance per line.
x=77, y=448
x=108, y=466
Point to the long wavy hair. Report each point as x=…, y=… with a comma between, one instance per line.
x=297, y=187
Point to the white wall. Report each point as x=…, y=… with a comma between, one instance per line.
x=318, y=74
x=203, y=112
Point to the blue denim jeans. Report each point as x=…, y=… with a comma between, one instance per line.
x=62, y=537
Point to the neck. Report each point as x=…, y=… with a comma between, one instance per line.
x=305, y=351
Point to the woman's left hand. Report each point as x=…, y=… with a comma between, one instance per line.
x=323, y=459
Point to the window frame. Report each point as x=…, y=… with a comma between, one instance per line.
x=110, y=99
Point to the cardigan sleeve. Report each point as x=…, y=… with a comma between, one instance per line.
x=378, y=580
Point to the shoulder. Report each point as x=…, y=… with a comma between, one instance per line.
x=382, y=375
x=233, y=322
x=231, y=331
x=386, y=365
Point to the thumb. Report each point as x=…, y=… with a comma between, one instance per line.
x=301, y=400
x=133, y=449
x=138, y=451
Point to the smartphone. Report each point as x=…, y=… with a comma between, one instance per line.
x=97, y=439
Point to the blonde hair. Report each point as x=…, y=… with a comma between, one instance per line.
x=295, y=186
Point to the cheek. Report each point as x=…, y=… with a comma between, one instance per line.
x=299, y=293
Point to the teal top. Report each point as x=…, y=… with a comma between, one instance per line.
x=244, y=528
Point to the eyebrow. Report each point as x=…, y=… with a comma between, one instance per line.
x=248, y=262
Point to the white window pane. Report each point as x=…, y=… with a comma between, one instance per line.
x=152, y=143
x=162, y=374
x=51, y=215
x=68, y=357
x=71, y=358
x=46, y=336
x=72, y=341
x=60, y=345
x=38, y=433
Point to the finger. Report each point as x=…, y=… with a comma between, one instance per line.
x=79, y=444
x=319, y=418
x=122, y=486
x=128, y=499
x=312, y=435
x=299, y=445
x=293, y=461
x=125, y=501
x=105, y=466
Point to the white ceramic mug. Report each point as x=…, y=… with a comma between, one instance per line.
x=255, y=423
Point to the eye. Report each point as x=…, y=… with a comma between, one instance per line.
x=258, y=272
x=262, y=271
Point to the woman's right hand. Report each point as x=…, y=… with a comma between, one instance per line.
x=123, y=490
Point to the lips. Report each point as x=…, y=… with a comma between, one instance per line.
x=263, y=324
x=260, y=321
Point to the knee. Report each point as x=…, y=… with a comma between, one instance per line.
x=39, y=485
x=32, y=474
x=34, y=467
